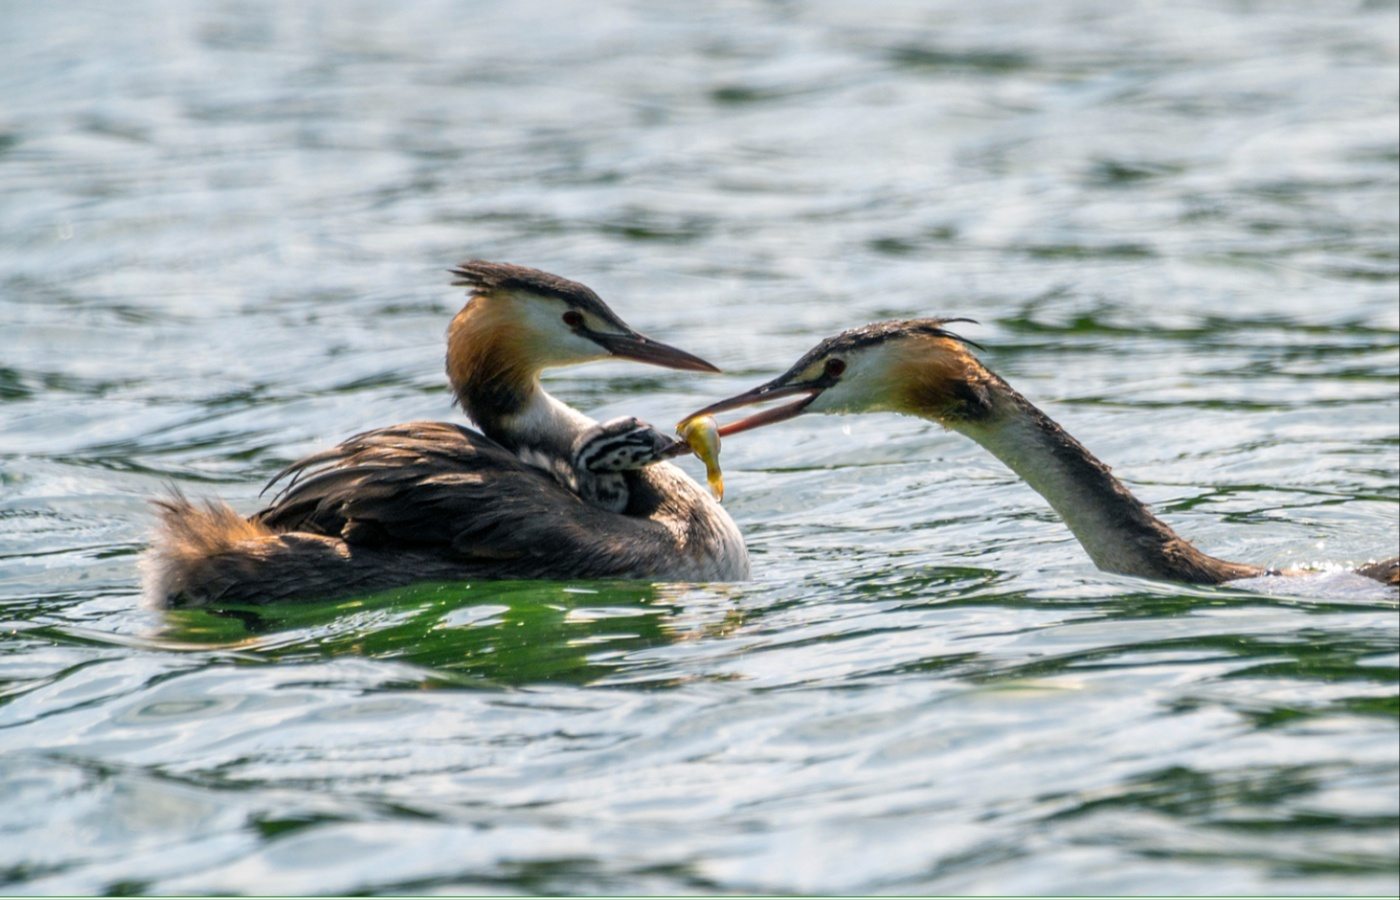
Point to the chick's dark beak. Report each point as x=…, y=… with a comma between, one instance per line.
x=773, y=390
x=630, y=345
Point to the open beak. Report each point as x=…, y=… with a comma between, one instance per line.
x=630, y=345
x=773, y=390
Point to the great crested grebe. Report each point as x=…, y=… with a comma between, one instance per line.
x=541, y=491
x=919, y=368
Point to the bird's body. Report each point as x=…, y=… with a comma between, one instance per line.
x=919, y=368
x=540, y=491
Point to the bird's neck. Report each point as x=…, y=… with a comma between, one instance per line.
x=1117, y=530
x=498, y=386
x=525, y=418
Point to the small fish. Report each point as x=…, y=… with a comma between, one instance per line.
x=702, y=434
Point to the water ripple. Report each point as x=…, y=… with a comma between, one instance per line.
x=226, y=229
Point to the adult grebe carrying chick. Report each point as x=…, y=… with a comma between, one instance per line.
x=540, y=491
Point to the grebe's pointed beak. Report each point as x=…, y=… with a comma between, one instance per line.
x=639, y=347
x=773, y=390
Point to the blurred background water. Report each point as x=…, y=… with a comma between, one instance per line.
x=225, y=229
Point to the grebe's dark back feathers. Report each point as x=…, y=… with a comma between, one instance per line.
x=313, y=488
x=1387, y=571
x=448, y=488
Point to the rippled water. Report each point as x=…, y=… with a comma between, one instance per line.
x=225, y=229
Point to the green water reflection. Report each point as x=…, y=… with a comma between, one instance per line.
x=506, y=633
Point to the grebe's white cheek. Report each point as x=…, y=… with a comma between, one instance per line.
x=828, y=401
x=567, y=346
x=859, y=390
x=551, y=340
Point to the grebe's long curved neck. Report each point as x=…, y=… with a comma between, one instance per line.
x=1117, y=530
x=918, y=367
x=538, y=423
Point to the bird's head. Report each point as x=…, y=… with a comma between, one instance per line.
x=916, y=367
x=519, y=321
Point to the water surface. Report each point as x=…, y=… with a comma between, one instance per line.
x=225, y=234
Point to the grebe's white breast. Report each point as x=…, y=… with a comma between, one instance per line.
x=711, y=547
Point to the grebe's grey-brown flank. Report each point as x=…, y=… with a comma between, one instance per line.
x=918, y=367
x=540, y=491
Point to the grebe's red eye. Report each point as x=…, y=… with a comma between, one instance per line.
x=835, y=367
x=573, y=318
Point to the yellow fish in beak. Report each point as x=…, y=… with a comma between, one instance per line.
x=702, y=434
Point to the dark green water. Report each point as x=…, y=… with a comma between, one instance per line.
x=224, y=234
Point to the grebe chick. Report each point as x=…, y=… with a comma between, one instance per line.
x=918, y=367
x=604, y=454
x=432, y=501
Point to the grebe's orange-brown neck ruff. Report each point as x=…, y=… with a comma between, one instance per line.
x=918, y=367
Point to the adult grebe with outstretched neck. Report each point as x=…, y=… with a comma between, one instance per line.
x=919, y=368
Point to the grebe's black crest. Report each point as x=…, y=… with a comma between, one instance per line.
x=481, y=277
x=879, y=332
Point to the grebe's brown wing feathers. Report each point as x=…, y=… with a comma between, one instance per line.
x=378, y=464
x=444, y=488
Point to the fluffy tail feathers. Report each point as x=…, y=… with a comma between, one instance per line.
x=190, y=539
x=206, y=554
